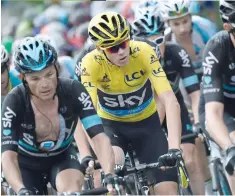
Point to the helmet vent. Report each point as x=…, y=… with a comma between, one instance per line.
x=25, y=48
x=105, y=18
x=31, y=46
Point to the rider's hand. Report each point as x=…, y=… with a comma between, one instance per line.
x=170, y=159
x=87, y=164
x=25, y=191
x=230, y=160
x=109, y=183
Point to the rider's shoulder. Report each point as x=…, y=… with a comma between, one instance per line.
x=221, y=38
x=201, y=25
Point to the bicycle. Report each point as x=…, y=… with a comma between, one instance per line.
x=218, y=174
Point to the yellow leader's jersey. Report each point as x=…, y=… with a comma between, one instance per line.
x=124, y=93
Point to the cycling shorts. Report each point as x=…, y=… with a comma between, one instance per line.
x=185, y=120
x=147, y=140
x=33, y=169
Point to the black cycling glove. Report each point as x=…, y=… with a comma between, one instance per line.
x=85, y=161
x=170, y=159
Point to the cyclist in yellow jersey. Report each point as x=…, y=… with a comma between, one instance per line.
x=121, y=77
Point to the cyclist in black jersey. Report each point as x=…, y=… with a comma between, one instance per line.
x=38, y=123
x=217, y=101
x=149, y=27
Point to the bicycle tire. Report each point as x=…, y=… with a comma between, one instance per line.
x=222, y=183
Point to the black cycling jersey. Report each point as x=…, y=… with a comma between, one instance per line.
x=218, y=82
x=18, y=123
x=176, y=64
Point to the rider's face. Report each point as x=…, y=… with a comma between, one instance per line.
x=4, y=80
x=43, y=84
x=181, y=27
x=119, y=54
x=228, y=28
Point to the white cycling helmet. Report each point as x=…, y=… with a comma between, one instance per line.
x=4, y=55
x=174, y=9
x=146, y=6
x=48, y=39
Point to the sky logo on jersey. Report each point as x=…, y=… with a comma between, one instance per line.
x=131, y=80
x=7, y=117
x=6, y=132
x=153, y=59
x=185, y=58
x=86, y=101
x=209, y=62
x=126, y=103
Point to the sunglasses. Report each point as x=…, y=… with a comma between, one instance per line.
x=115, y=49
x=160, y=40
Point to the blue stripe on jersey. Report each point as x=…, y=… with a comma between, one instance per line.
x=191, y=80
x=229, y=88
x=91, y=121
x=27, y=146
x=203, y=33
x=66, y=142
x=14, y=77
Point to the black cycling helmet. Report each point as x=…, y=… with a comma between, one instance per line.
x=227, y=12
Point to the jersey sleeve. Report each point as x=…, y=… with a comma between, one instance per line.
x=89, y=73
x=187, y=73
x=10, y=122
x=87, y=113
x=155, y=71
x=212, y=73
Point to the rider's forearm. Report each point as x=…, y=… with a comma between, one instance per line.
x=195, y=102
x=11, y=170
x=173, y=124
x=160, y=109
x=218, y=130
x=82, y=141
x=104, y=152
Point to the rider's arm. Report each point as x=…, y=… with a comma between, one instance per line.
x=213, y=93
x=190, y=81
x=82, y=141
x=10, y=165
x=93, y=126
x=166, y=96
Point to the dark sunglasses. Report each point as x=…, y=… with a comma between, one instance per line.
x=115, y=49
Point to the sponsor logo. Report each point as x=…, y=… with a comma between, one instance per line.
x=7, y=117
x=78, y=69
x=207, y=79
x=153, y=59
x=130, y=79
x=159, y=72
x=86, y=101
x=88, y=84
x=63, y=109
x=98, y=59
x=105, y=78
x=122, y=101
x=9, y=143
x=28, y=138
x=84, y=72
x=105, y=86
x=25, y=126
x=232, y=66
x=185, y=58
x=6, y=132
x=213, y=90
x=73, y=157
x=119, y=167
x=135, y=51
x=209, y=62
